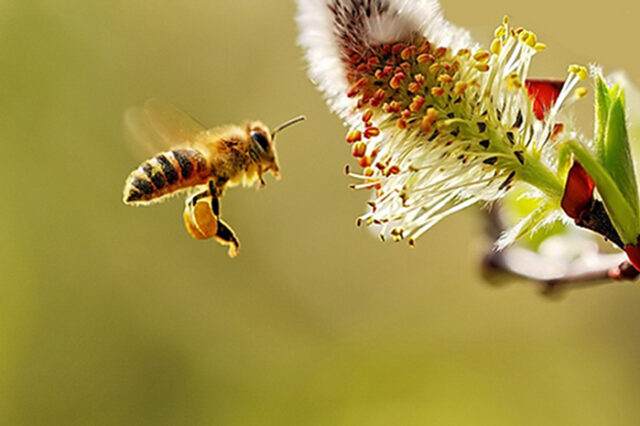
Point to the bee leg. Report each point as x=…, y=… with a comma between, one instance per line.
x=261, y=182
x=197, y=197
x=226, y=236
x=215, y=198
x=200, y=220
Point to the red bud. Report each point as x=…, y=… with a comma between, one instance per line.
x=633, y=253
x=578, y=192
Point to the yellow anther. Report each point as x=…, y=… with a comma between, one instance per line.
x=505, y=20
x=513, y=81
x=482, y=56
x=465, y=53
x=432, y=114
x=496, y=46
x=539, y=47
x=437, y=91
x=445, y=78
x=583, y=73
x=499, y=32
x=524, y=36
x=581, y=92
x=460, y=88
x=580, y=71
x=482, y=67
x=532, y=40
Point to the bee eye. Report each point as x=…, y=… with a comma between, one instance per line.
x=261, y=140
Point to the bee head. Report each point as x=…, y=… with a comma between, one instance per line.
x=263, y=144
x=263, y=149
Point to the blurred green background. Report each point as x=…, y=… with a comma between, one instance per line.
x=115, y=315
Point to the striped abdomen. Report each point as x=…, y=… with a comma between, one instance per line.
x=166, y=173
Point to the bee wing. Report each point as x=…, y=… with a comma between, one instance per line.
x=159, y=126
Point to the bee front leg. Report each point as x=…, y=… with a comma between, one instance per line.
x=261, y=181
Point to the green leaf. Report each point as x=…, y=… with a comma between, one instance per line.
x=602, y=107
x=623, y=216
x=617, y=158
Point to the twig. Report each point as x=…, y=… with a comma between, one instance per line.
x=590, y=269
x=599, y=269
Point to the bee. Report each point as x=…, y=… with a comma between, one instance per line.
x=202, y=162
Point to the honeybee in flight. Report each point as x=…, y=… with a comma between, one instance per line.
x=201, y=161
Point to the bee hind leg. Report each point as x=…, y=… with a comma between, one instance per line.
x=200, y=220
x=226, y=236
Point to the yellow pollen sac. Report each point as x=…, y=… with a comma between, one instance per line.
x=581, y=92
x=425, y=57
x=482, y=67
x=427, y=124
x=417, y=103
x=395, y=82
x=505, y=20
x=532, y=40
x=496, y=46
x=482, y=56
x=432, y=114
x=460, y=88
x=441, y=52
x=359, y=149
x=437, y=91
x=464, y=53
x=354, y=136
x=580, y=71
x=445, y=78
x=524, y=36
x=583, y=73
x=514, y=82
x=371, y=132
x=406, y=53
x=539, y=47
x=499, y=32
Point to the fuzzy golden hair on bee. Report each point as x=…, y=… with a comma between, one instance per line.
x=203, y=162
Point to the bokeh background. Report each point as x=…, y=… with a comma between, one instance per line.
x=114, y=315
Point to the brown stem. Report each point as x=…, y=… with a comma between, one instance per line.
x=554, y=276
x=606, y=269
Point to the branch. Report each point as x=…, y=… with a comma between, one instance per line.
x=555, y=275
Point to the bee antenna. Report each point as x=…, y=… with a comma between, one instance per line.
x=287, y=124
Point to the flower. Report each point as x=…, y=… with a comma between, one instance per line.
x=437, y=123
